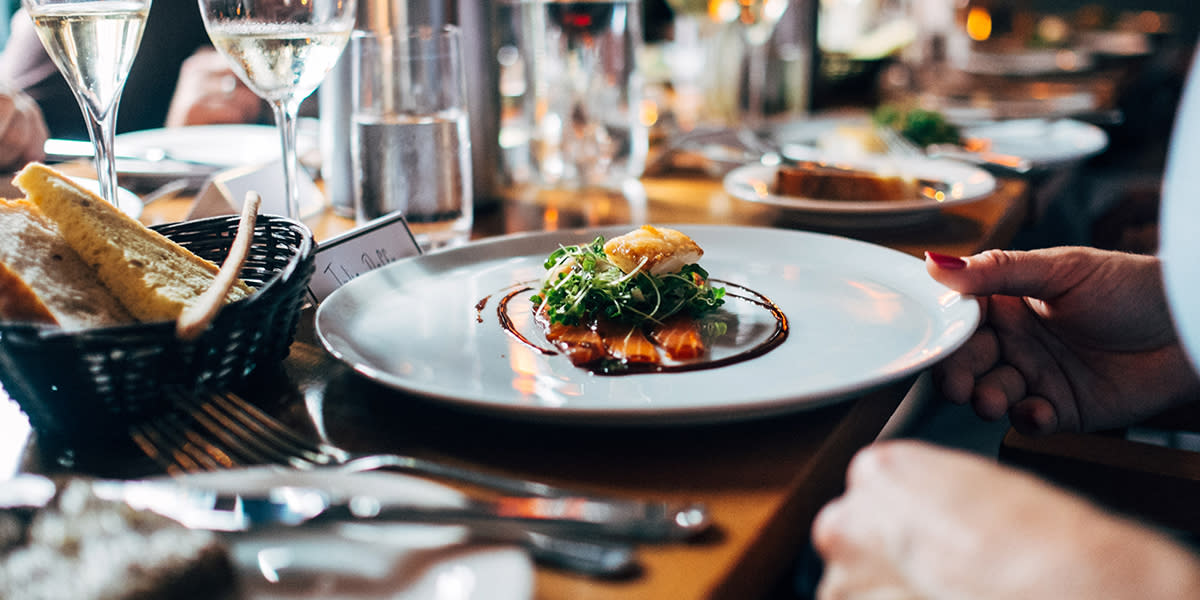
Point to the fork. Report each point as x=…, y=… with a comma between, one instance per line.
x=897, y=144
x=226, y=431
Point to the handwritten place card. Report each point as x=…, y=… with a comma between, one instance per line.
x=359, y=250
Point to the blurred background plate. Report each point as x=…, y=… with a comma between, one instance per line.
x=1043, y=142
x=356, y=561
x=198, y=152
x=962, y=182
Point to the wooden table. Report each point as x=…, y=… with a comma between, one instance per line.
x=763, y=480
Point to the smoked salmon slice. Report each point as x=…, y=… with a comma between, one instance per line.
x=627, y=343
x=679, y=336
x=582, y=345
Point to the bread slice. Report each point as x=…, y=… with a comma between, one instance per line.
x=154, y=277
x=43, y=280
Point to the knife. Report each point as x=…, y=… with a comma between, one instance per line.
x=299, y=506
x=286, y=507
x=58, y=150
x=1005, y=163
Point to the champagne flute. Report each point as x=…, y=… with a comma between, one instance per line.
x=756, y=20
x=688, y=56
x=93, y=43
x=282, y=50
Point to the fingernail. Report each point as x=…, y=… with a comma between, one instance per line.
x=946, y=261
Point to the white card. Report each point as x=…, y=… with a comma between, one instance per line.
x=359, y=250
x=224, y=192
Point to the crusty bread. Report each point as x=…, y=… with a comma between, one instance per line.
x=154, y=277
x=820, y=182
x=43, y=280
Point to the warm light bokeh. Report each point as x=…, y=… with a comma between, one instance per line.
x=979, y=24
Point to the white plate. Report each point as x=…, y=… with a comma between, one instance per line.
x=810, y=131
x=353, y=561
x=962, y=183
x=222, y=146
x=127, y=201
x=1044, y=143
x=860, y=315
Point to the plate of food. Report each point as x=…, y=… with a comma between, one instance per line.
x=861, y=191
x=1010, y=146
x=639, y=334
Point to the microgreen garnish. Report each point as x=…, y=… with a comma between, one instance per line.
x=583, y=285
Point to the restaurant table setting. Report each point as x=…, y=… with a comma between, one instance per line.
x=411, y=431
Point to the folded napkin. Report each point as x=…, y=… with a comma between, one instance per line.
x=223, y=193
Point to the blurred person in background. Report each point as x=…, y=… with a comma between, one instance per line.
x=177, y=78
x=22, y=129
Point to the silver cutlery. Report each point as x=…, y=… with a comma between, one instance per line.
x=992, y=160
x=62, y=149
x=899, y=145
x=285, y=507
x=223, y=431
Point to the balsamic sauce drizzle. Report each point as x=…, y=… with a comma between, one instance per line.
x=772, y=341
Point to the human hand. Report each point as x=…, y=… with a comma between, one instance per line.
x=23, y=130
x=208, y=92
x=1072, y=339
x=918, y=521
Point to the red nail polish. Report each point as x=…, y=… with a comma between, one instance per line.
x=946, y=261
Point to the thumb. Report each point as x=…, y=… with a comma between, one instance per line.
x=1044, y=274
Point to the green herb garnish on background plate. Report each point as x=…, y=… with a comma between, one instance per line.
x=922, y=127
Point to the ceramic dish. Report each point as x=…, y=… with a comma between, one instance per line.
x=957, y=182
x=1044, y=143
x=197, y=152
x=859, y=315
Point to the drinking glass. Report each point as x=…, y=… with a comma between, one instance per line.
x=688, y=58
x=577, y=111
x=410, y=138
x=756, y=19
x=93, y=43
x=282, y=50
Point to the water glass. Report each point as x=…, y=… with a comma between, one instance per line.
x=410, y=141
x=571, y=92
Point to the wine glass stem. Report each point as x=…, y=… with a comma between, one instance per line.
x=755, y=84
x=100, y=129
x=285, y=119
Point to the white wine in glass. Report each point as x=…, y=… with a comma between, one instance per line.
x=282, y=50
x=93, y=44
x=688, y=7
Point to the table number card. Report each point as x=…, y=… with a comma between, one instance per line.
x=359, y=250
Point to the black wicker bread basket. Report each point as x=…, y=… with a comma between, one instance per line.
x=92, y=384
